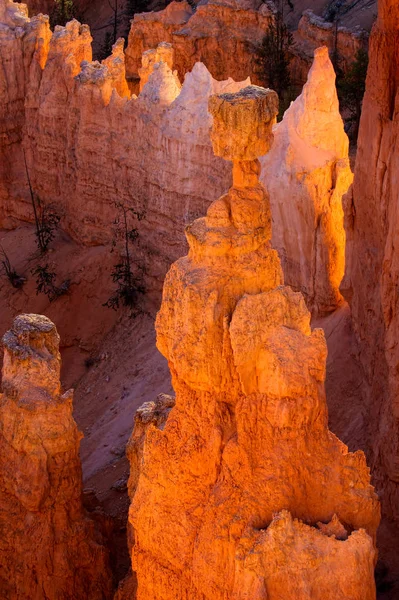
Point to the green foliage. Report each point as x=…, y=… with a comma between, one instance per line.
x=17, y=281
x=128, y=273
x=63, y=11
x=351, y=87
x=45, y=283
x=273, y=57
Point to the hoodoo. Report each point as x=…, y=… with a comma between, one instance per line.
x=244, y=492
x=307, y=173
x=48, y=547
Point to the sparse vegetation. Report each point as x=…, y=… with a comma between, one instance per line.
x=45, y=283
x=128, y=274
x=63, y=11
x=17, y=281
x=351, y=88
x=46, y=218
x=273, y=57
x=106, y=48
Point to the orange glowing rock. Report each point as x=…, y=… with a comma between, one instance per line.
x=306, y=173
x=244, y=492
x=48, y=547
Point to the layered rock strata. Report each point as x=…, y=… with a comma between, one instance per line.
x=372, y=275
x=88, y=144
x=222, y=35
x=244, y=492
x=306, y=173
x=48, y=547
x=313, y=31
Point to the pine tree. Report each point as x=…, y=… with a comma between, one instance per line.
x=351, y=88
x=63, y=11
x=273, y=55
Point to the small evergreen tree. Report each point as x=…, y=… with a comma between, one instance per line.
x=63, y=11
x=351, y=87
x=128, y=273
x=273, y=58
x=106, y=48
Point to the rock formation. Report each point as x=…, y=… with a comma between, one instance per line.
x=312, y=32
x=306, y=174
x=88, y=144
x=222, y=35
x=372, y=274
x=48, y=547
x=244, y=493
x=162, y=53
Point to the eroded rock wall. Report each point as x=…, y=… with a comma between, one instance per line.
x=89, y=144
x=222, y=35
x=313, y=31
x=372, y=275
x=244, y=492
x=48, y=547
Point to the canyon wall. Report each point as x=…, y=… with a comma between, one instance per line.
x=372, y=276
x=243, y=492
x=48, y=547
x=225, y=36
x=89, y=145
x=313, y=31
x=222, y=35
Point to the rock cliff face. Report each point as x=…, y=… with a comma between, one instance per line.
x=48, y=547
x=222, y=35
x=313, y=31
x=88, y=144
x=244, y=492
x=306, y=174
x=372, y=252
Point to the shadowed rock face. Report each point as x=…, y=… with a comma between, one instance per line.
x=48, y=547
x=372, y=274
x=243, y=492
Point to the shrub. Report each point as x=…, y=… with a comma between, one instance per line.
x=17, y=281
x=45, y=283
x=46, y=217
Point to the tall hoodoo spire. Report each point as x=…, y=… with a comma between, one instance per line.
x=244, y=492
x=48, y=547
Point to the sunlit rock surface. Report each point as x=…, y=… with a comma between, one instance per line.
x=306, y=174
x=48, y=547
x=244, y=492
x=222, y=35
